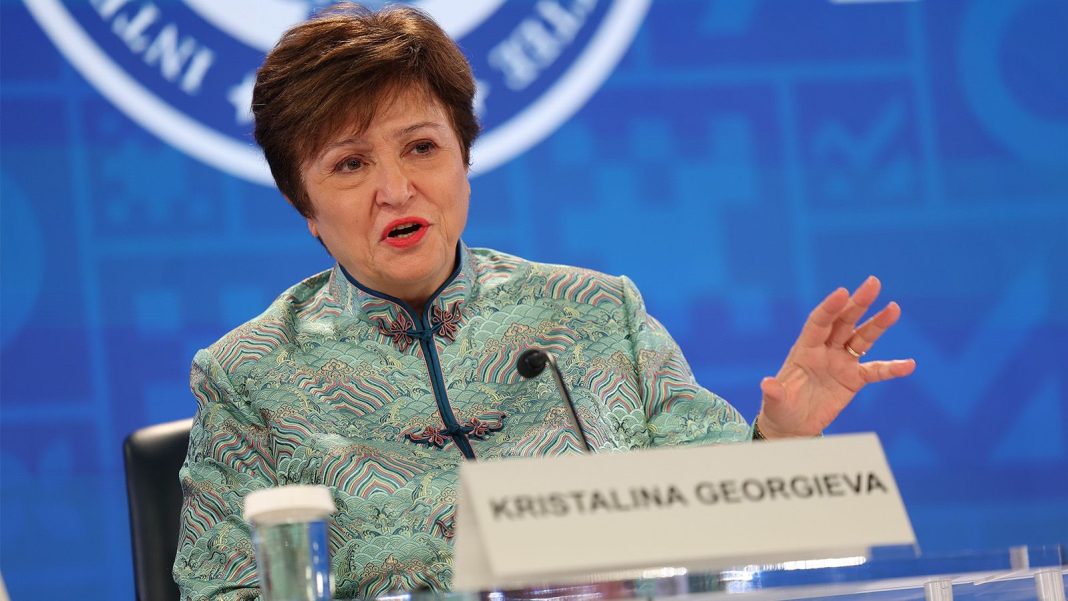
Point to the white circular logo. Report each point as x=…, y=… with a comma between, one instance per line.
x=185, y=70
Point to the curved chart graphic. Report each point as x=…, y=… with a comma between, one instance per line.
x=1032, y=137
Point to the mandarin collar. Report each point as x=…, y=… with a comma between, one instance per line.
x=388, y=312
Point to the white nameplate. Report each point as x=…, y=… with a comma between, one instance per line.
x=549, y=520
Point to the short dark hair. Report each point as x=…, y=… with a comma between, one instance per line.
x=336, y=69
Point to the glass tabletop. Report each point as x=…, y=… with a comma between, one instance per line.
x=892, y=574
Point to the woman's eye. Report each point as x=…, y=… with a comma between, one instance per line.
x=350, y=164
x=425, y=147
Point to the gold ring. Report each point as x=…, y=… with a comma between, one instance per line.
x=850, y=350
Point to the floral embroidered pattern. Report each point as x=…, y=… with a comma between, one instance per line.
x=476, y=427
x=479, y=427
x=398, y=331
x=446, y=322
x=431, y=436
x=443, y=322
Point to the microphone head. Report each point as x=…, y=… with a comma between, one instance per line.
x=531, y=363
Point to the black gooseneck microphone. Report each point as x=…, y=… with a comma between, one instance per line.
x=531, y=363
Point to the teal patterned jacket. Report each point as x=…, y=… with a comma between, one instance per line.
x=339, y=385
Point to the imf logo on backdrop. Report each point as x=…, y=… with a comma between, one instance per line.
x=184, y=70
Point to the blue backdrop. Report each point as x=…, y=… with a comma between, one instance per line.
x=741, y=160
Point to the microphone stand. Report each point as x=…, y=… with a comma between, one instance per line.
x=531, y=363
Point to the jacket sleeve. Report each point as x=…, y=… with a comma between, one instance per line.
x=227, y=459
x=677, y=409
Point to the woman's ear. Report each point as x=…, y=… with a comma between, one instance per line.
x=315, y=232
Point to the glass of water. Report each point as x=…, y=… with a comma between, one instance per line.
x=289, y=533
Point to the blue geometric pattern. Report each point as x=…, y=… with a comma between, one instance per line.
x=743, y=159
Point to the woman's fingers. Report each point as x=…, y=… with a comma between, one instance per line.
x=832, y=321
x=817, y=327
x=858, y=305
x=772, y=390
x=865, y=336
x=878, y=371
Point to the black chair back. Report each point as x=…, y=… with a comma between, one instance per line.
x=153, y=457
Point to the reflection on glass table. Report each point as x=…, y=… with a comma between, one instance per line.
x=896, y=574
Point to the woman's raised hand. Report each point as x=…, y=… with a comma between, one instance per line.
x=823, y=370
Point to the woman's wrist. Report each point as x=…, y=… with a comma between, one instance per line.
x=757, y=434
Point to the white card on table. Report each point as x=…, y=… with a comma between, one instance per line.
x=563, y=519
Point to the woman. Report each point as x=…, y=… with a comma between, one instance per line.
x=379, y=376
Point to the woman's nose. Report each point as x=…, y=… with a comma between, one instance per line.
x=394, y=184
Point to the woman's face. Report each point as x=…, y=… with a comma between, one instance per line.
x=390, y=203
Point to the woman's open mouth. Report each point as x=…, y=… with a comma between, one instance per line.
x=405, y=232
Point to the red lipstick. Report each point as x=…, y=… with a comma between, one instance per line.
x=405, y=232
